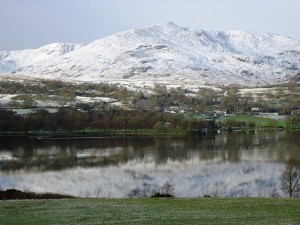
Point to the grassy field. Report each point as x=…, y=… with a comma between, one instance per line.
x=152, y=211
x=259, y=121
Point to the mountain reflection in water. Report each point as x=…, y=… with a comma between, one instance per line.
x=237, y=163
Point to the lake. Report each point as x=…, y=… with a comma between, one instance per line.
x=226, y=164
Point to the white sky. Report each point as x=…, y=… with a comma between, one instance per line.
x=34, y=23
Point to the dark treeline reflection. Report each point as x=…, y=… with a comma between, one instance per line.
x=18, y=153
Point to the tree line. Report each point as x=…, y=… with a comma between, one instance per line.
x=73, y=120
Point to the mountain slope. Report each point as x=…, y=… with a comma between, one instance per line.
x=170, y=53
x=12, y=60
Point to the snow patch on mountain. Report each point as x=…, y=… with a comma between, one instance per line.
x=166, y=52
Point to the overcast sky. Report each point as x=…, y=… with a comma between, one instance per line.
x=34, y=23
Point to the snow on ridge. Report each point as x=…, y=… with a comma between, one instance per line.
x=166, y=51
x=57, y=49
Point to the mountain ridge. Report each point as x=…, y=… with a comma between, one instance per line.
x=165, y=52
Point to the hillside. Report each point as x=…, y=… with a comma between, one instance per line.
x=164, y=53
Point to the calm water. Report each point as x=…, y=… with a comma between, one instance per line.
x=114, y=164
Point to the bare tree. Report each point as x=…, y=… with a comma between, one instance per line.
x=168, y=189
x=290, y=178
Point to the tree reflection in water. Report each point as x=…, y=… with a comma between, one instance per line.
x=21, y=153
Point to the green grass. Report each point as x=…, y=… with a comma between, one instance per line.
x=152, y=211
x=259, y=121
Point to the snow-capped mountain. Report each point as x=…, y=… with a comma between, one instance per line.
x=166, y=52
x=12, y=60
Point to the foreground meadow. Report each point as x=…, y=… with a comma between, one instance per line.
x=152, y=211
